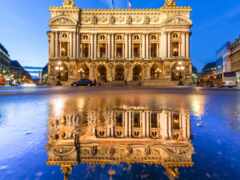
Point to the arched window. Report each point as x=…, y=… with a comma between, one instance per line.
x=119, y=37
x=136, y=37
x=175, y=44
x=154, y=120
x=119, y=119
x=85, y=37
x=64, y=45
x=102, y=37
x=136, y=120
x=176, y=121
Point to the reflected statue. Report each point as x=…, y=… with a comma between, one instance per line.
x=122, y=134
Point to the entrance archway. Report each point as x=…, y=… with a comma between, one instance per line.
x=84, y=72
x=119, y=73
x=137, y=73
x=155, y=72
x=62, y=72
x=102, y=73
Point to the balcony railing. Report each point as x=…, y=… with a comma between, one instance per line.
x=101, y=132
x=155, y=133
x=119, y=132
x=137, y=132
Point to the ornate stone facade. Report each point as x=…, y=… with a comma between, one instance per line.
x=107, y=45
x=125, y=134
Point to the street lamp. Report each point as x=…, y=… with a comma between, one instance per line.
x=157, y=72
x=59, y=68
x=180, y=68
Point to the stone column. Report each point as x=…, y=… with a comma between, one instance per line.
x=74, y=45
x=51, y=45
x=143, y=124
x=144, y=46
x=184, y=125
x=70, y=45
x=56, y=44
x=125, y=124
x=188, y=125
x=126, y=47
x=170, y=125
x=183, y=44
x=95, y=47
x=169, y=44
x=187, y=45
x=147, y=46
x=92, y=45
x=130, y=46
x=130, y=114
x=147, y=123
x=109, y=46
x=112, y=46
x=77, y=45
x=164, y=127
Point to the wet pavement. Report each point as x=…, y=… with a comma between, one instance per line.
x=196, y=134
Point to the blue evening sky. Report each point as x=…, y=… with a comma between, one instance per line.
x=24, y=24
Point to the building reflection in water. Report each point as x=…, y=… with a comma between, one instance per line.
x=119, y=134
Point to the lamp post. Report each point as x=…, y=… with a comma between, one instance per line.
x=59, y=68
x=157, y=72
x=180, y=68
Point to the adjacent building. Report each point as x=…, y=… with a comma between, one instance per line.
x=4, y=64
x=11, y=71
x=235, y=58
x=147, y=45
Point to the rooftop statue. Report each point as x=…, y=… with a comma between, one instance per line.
x=170, y=3
x=69, y=3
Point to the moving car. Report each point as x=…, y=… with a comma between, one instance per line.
x=84, y=82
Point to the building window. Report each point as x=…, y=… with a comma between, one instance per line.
x=153, y=50
x=176, y=121
x=102, y=37
x=102, y=50
x=64, y=35
x=154, y=120
x=119, y=50
x=119, y=37
x=85, y=37
x=136, y=50
x=153, y=37
x=64, y=49
x=175, y=45
x=119, y=119
x=85, y=50
x=175, y=49
x=136, y=37
x=136, y=120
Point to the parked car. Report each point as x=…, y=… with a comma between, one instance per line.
x=84, y=82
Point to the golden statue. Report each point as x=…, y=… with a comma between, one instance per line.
x=170, y=3
x=69, y=3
